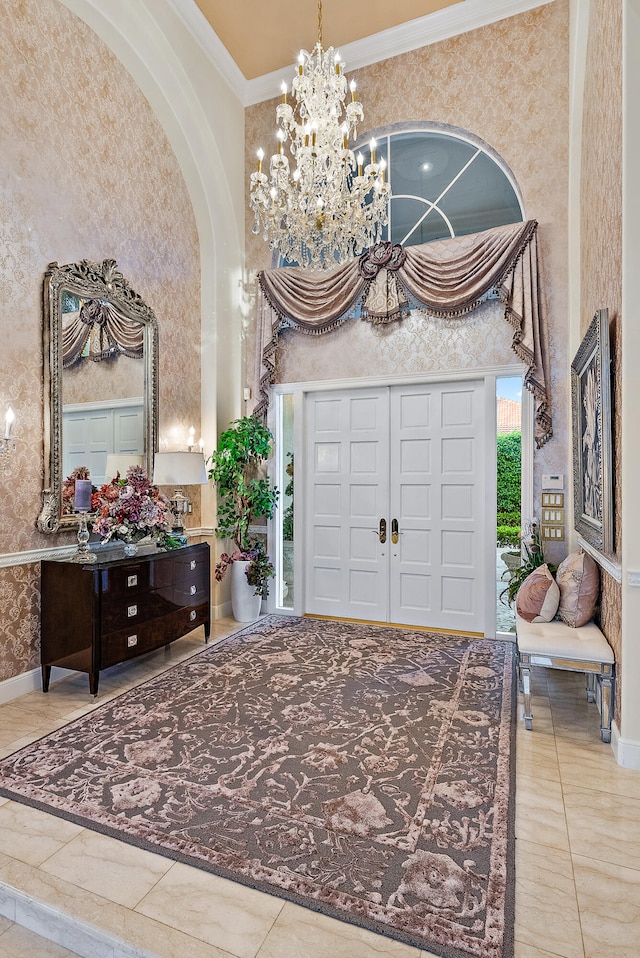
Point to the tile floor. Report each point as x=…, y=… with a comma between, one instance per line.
x=578, y=850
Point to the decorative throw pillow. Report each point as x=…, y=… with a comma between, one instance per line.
x=538, y=596
x=578, y=577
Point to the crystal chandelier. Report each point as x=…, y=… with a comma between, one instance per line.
x=323, y=205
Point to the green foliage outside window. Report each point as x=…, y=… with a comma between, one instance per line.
x=509, y=489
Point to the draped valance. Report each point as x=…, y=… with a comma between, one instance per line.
x=108, y=331
x=448, y=279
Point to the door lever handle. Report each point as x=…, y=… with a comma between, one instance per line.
x=394, y=531
x=382, y=533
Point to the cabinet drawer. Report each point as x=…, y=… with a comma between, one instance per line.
x=147, y=636
x=182, y=569
x=120, y=611
x=127, y=579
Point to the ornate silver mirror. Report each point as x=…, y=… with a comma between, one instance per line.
x=100, y=382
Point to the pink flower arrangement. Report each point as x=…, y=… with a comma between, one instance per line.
x=131, y=509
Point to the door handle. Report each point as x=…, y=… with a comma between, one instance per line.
x=382, y=533
x=394, y=531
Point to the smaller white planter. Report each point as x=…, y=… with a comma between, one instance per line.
x=245, y=604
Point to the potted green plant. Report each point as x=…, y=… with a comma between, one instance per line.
x=531, y=558
x=244, y=493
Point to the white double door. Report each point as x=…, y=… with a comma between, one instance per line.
x=396, y=504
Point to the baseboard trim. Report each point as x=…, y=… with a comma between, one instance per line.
x=627, y=752
x=19, y=685
x=52, y=924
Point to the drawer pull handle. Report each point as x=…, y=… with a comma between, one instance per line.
x=192, y=614
x=193, y=564
x=132, y=610
x=131, y=641
x=132, y=580
x=193, y=589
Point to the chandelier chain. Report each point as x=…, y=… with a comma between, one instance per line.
x=320, y=22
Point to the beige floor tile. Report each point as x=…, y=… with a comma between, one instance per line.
x=300, y=932
x=595, y=765
x=32, y=836
x=110, y=868
x=603, y=826
x=530, y=951
x=540, y=812
x=18, y=942
x=4, y=924
x=546, y=903
x=609, y=901
x=138, y=930
x=221, y=912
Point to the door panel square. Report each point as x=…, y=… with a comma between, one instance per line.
x=363, y=587
x=457, y=455
x=457, y=595
x=326, y=500
x=415, y=455
x=415, y=411
x=364, y=414
x=327, y=415
x=363, y=501
x=415, y=501
x=415, y=545
x=326, y=584
x=457, y=548
x=457, y=408
x=363, y=545
x=327, y=456
x=414, y=591
x=326, y=542
x=457, y=502
x=364, y=458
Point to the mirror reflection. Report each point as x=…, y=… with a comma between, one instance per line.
x=102, y=369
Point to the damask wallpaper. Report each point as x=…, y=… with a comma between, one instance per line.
x=86, y=172
x=601, y=247
x=508, y=83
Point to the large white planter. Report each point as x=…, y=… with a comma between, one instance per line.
x=245, y=604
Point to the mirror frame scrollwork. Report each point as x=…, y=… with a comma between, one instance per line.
x=87, y=280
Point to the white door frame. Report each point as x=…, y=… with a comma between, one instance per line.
x=489, y=375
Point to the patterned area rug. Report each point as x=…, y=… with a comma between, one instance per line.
x=362, y=771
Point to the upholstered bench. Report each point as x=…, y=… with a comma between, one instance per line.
x=555, y=645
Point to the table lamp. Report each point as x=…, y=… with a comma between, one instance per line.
x=179, y=469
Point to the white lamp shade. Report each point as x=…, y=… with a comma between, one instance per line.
x=119, y=463
x=179, y=469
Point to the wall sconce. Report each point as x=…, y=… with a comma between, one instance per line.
x=179, y=469
x=7, y=444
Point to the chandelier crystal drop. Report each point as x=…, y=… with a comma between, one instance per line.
x=322, y=204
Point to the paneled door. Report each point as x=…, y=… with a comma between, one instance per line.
x=395, y=511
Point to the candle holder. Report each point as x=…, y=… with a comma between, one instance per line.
x=7, y=446
x=83, y=554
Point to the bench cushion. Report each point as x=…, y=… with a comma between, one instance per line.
x=586, y=643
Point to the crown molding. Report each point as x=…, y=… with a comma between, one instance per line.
x=441, y=25
x=211, y=45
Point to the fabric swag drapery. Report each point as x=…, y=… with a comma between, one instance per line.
x=447, y=279
x=108, y=331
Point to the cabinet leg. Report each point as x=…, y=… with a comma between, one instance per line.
x=207, y=630
x=46, y=677
x=93, y=682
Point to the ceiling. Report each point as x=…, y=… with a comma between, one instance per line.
x=267, y=36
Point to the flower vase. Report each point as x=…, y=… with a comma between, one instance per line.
x=130, y=548
x=245, y=604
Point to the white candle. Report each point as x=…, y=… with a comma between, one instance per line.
x=8, y=422
x=82, y=495
x=192, y=435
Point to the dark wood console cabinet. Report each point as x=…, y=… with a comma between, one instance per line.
x=98, y=614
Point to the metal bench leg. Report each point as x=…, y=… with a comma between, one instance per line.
x=606, y=690
x=591, y=686
x=525, y=674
